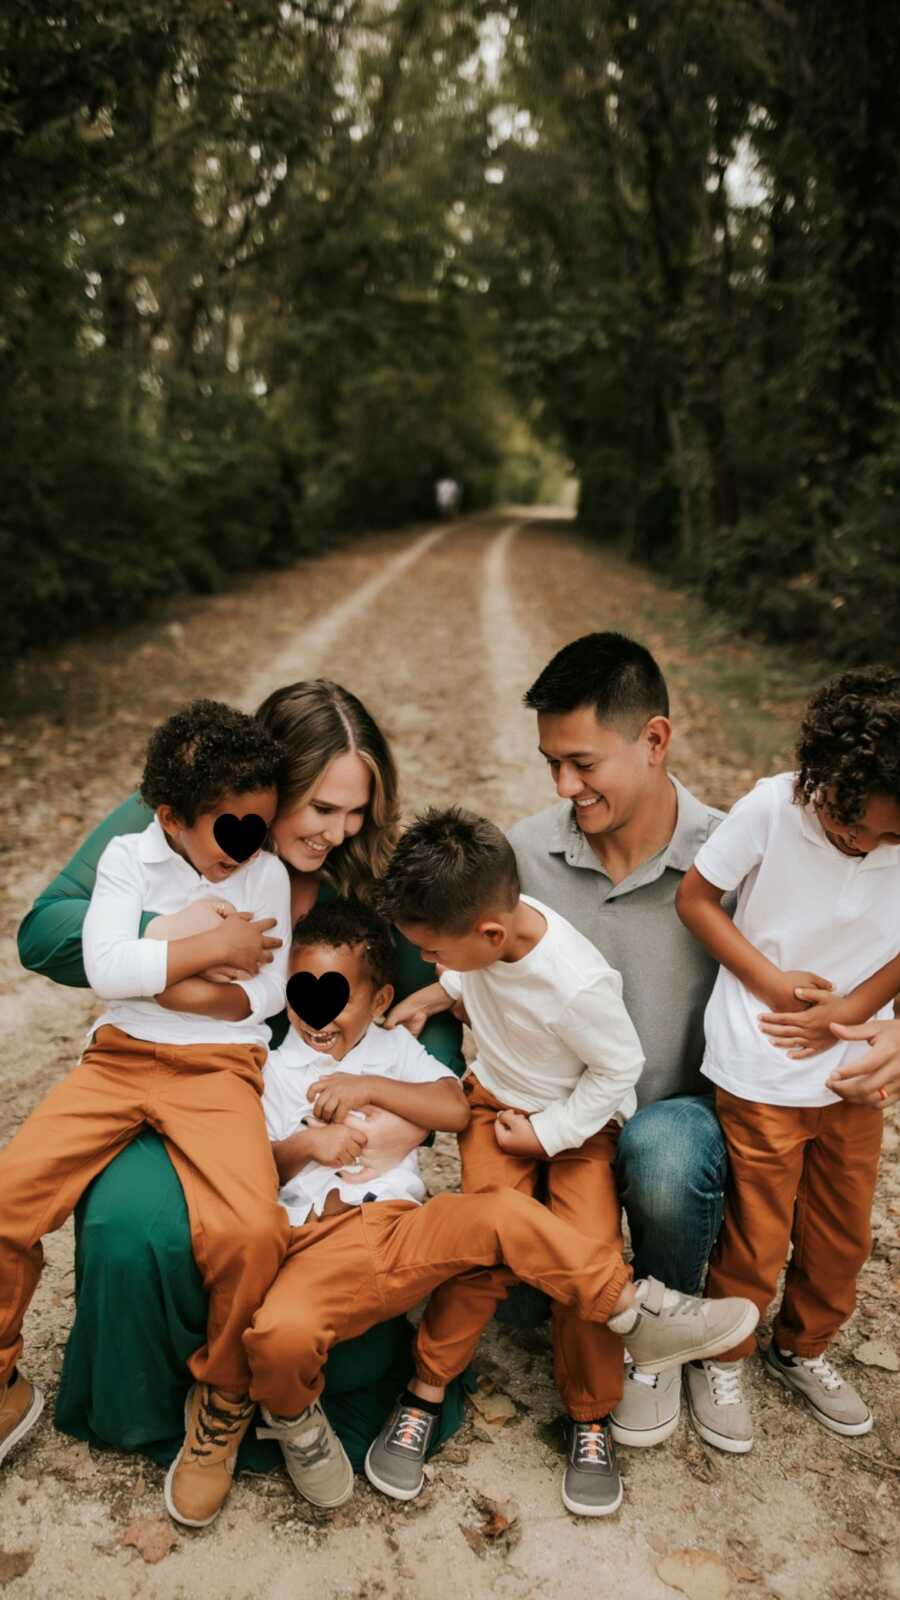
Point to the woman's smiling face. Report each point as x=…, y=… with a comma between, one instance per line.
x=335, y=811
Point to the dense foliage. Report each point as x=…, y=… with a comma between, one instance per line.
x=270, y=267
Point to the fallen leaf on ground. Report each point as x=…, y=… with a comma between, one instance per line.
x=14, y=1564
x=852, y=1541
x=875, y=1353
x=496, y=1408
x=700, y=1574
x=743, y=1574
x=151, y=1537
x=473, y=1539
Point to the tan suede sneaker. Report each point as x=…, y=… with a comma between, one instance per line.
x=20, y=1406
x=200, y=1477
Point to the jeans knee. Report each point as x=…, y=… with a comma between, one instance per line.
x=670, y=1155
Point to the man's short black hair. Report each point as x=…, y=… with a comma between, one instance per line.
x=349, y=922
x=205, y=752
x=448, y=869
x=614, y=675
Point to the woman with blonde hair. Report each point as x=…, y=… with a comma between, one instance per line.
x=140, y=1301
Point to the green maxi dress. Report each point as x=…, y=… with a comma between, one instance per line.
x=140, y=1302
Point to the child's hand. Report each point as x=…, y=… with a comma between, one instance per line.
x=410, y=1013
x=806, y=1033
x=338, y=1145
x=338, y=1093
x=782, y=996
x=516, y=1137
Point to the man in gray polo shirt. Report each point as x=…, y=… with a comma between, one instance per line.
x=609, y=857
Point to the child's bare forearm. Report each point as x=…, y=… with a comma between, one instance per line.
x=698, y=904
x=427, y=1002
x=439, y=1107
x=227, y=1002
x=868, y=998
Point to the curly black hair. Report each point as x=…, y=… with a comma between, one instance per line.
x=849, y=744
x=448, y=868
x=204, y=752
x=349, y=922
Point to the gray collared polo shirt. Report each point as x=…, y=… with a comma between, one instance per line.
x=667, y=975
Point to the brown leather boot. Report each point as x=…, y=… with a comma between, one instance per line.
x=199, y=1478
x=20, y=1406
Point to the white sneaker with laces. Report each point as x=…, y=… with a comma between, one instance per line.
x=649, y=1409
x=717, y=1406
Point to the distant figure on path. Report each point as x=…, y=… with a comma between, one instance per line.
x=447, y=495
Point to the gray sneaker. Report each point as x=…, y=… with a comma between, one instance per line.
x=317, y=1463
x=717, y=1406
x=395, y=1460
x=673, y=1328
x=833, y=1401
x=649, y=1409
x=591, y=1486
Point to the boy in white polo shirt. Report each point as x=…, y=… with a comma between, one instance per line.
x=815, y=857
x=181, y=1051
x=558, y=1059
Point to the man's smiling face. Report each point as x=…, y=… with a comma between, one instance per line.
x=599, y=768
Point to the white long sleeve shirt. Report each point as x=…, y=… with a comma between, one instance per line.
x=140, y=872
x=288, y=1075
x=553, y=1036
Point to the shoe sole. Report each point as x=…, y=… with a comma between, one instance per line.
x=705, y=1352
x=645, y=1437
x=25, y=1426
x=590, y=1511
x=849, y=1430
x=720, y=1441
x=389, y=1488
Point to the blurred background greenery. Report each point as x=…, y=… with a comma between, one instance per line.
x=267, y=270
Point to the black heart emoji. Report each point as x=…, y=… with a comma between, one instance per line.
x=317, y=1001
x=239, y=837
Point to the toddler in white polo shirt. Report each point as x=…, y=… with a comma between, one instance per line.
x=815, y=858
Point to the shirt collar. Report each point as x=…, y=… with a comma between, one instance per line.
x=154, y=846
x=354, y=1061
x=692, y=827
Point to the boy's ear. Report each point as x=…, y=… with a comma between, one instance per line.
x=168, y=820
x=383, y=999
x=491, y=929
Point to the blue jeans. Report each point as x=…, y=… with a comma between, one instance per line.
x=671, y=1168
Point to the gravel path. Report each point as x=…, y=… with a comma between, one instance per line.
x=439, y=630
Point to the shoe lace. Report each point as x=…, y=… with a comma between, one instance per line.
x=725, y=1383
x=410, y=1429
x=824, y=1371
x=311, y=1446
x=591, y=1445
x=637, y=1375
x=216, y=1425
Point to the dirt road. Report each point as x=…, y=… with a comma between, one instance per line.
x=439, y=631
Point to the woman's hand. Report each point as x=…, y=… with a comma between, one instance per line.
x=873, y=1080
x=516, y=1137
x=245, y=942
x=806, y=1033
x=389, y=1140
x=338, y=1093
x=203, y=916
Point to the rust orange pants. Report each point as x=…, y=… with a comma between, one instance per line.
x=588, y=1363
x=801, y=1175
x=344, y=1273
x=205, y=1102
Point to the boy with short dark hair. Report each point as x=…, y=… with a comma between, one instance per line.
x=355, y=1260
x=179, y=1051
x=815, y=858
x=553, y=1082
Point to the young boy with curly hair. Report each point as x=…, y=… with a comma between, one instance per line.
x=815, y=858
x=179, y=1050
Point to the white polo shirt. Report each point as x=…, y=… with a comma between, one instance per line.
x=553, y=1036
x=807, y=907
x=140, y=872
x=289, y=1073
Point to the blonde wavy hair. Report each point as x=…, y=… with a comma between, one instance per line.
x=314, y=721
